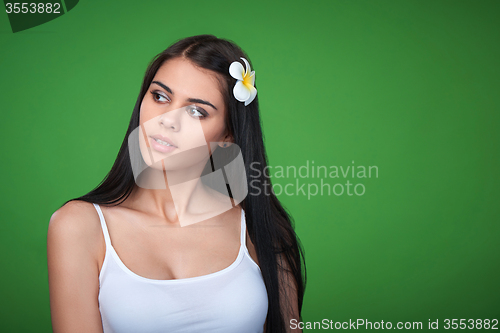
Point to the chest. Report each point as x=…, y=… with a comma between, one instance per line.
x=232, y=300
x=157, y=250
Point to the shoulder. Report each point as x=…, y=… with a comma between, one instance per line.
x=72, y=250
x=75, y=216
x=75, y=224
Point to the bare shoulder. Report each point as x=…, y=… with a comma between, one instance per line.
x=77, y=222
x=75, y=216
x=72, y=258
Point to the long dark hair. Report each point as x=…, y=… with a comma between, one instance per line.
x=269, y=226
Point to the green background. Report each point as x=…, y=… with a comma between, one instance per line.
x=411, y=87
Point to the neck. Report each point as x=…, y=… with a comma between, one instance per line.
x=168, y=194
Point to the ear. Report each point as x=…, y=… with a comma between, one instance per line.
x=227, y=141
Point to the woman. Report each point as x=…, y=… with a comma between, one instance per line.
x=154, y=248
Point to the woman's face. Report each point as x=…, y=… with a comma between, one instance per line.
x=182, y=116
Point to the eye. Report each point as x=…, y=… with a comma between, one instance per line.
x=196, y=112
x=157, y=97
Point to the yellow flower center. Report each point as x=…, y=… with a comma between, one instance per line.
x=247, y=81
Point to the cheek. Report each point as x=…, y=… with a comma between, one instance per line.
x=146, y=111
x=142, y=111
x=213, y=132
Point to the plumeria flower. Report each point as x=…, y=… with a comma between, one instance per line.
x=243, y=90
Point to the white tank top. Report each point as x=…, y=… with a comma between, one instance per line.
x=231, y=300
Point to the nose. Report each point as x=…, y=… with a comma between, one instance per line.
x=171, y=119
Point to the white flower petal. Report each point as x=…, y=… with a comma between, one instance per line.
x=252, y=77
x=247, y=66
x=253, y=93
x=236, y=70
x=241, y=92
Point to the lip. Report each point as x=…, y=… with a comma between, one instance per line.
x=159, y=147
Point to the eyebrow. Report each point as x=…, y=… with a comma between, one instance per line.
x=193, y=100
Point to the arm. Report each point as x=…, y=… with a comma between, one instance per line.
x=288, y=295
x=72, y=250
x=288, y=291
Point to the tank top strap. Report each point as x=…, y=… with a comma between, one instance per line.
x=103, y=225
x=243, y=229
